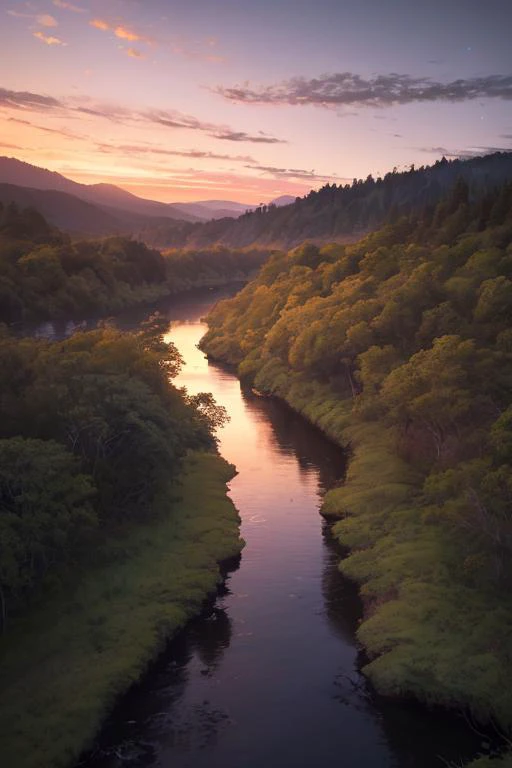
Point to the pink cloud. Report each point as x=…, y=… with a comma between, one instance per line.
x=48, y=39
x=45, y=20
x=134, y=53
x=68, y=6
x=121, y=31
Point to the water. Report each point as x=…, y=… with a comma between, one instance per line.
x=269, y=675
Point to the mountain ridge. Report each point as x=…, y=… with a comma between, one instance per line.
x=330, y=214
x=22, y=174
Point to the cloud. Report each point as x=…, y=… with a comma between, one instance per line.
x=68, y=6
x=10, y=146
x=242, y=136
x=194, y=49
x=27, y=100
x=58, y=131
x=115, y=113
x=135, y=53
x=173, y=119
x=129, y=34
x=349, y=89
x=121, y=31
x=99, y=24
x=294, y=173
x=195, y=154
x=45, y=20
x=48, y=39
x=110, y=112
x=463, y=154
x=20, y=14
x=177, y=120
x=164, y=180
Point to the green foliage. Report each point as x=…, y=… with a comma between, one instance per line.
x=492, y=762
x=445, y=199
x=46, y=512
x=403, y=352
x=92, y=433
x=97, y=633
x=44, y=275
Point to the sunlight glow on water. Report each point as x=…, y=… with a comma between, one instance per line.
x=268, y=676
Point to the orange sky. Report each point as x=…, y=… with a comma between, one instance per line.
x=248, y=101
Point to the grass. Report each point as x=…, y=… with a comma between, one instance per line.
x=63, y=666
x=487, y=762
x=430, y=629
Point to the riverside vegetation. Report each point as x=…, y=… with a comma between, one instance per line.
x=113, y=518
x=400, y=346
x=45, y=275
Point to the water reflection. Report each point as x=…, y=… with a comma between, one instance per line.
x=290, y=435
x=189, y=307
x=152, y=715
x=269, y=674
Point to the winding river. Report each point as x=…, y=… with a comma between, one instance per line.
x=268, y=676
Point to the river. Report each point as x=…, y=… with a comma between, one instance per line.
x=268, y=676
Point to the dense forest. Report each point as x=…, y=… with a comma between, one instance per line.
x=342, y=212
x=400, y=345
x=113, y=521
x=46, y=275
x=92, y=436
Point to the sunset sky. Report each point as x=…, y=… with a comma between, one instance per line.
x=247, y=100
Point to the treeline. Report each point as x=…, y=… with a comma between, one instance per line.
x=192, y=267
x=343, y=212
x=92, y=436
x=46, y=275
x=402, y=343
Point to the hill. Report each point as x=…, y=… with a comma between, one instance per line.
x=13, y=171
x=213, y=209
x=64, y=210
x=45, y=275
x=340, y=213
x=400, y=346
x=344, y=213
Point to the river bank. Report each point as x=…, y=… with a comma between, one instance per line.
x=230, y=689
x=66, y=662
x=428, y=633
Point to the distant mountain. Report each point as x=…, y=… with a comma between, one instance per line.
x=13, y=171
x=213, y=209
x=283, y=200
x=78, y=217
x=22, y=174
x=115, y=197
x=63, y=210
x=333, y=213
x=221, y=209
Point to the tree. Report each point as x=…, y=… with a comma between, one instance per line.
x=437, y=389
x=46, y=509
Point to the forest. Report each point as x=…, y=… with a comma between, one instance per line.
x=340, y=212
x=45, y=275
x=399, y=346
x=92, y=436
x=114, y=519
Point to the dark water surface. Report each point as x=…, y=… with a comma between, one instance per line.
x=268, y=676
